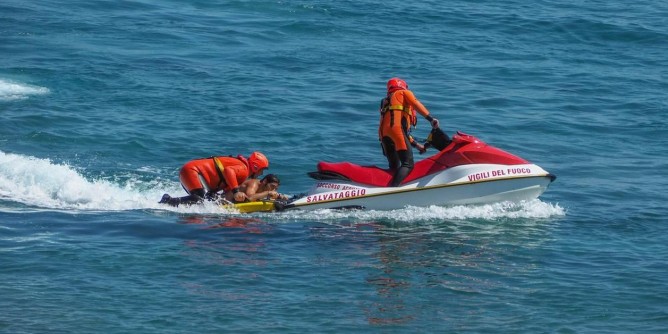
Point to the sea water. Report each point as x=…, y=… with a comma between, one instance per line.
x=102, y=102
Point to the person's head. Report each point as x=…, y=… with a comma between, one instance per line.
x=270, y=182
x=257, y=163
x=396, y=84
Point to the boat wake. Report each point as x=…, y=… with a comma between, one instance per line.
x=40, y=184
x=526, y=209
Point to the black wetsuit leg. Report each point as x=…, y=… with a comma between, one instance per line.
x=406, y=164
x=196, y=196
x=391, y=153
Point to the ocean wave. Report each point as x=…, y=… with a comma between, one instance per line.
x=10, y=90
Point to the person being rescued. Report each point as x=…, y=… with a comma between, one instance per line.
x=397, y=115
x=204, y=178
x=255, y=190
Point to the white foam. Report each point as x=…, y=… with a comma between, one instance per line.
x=17, y=91
x=526, y=209
x=43, y=184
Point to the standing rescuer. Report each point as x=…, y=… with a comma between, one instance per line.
x=204, y=178
x=397, y=116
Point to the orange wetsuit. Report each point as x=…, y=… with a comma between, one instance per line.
x=226, y=175
x=397, y=115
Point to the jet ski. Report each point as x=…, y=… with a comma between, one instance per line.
x=465, y=171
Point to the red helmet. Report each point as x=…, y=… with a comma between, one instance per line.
x=395, y=84
x=257, y=161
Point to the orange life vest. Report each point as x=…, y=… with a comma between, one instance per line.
x=395, y=101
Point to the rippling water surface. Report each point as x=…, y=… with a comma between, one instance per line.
x=102, y=102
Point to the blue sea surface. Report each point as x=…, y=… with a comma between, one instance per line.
x=101, y=102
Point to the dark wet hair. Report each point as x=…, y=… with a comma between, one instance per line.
x=271, y=178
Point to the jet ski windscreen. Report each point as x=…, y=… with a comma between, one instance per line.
x=438, y=139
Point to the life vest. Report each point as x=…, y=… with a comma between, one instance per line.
x=220, y=168
x=392, y=103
